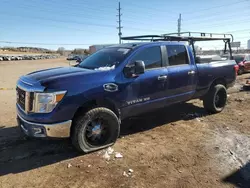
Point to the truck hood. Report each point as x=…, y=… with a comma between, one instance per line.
x=53, y=73
x=62, y=78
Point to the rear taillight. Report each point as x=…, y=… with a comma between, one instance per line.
x=236, y=68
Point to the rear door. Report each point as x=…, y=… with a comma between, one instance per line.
x=182, y=74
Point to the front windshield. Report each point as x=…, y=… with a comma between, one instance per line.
x=238, y=59
x=106, y=58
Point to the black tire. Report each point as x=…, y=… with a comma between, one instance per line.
x=216, y=99
x=86, y=138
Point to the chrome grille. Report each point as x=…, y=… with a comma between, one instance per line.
x=25, y=99
x=31, y=101
x=21, y=97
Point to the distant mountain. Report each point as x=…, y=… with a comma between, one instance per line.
x=28, y=49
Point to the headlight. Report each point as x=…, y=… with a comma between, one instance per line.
x=46, y=102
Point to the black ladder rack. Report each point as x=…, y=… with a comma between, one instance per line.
x=183, y=36
x=190, y=37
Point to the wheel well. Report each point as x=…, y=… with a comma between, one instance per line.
x=221, y=81
x=92, y=104
x=217, y=81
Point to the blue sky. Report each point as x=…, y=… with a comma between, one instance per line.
x=86, y=22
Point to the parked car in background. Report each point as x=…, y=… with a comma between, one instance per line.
x=77, y=58
x=243, y=60
x=71, y=58
x=81, y=58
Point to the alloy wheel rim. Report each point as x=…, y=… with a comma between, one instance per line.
x=96, y=132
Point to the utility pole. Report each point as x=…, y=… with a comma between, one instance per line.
x=119, y=23
x=179, y=25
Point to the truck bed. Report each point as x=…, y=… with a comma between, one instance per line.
x=207, y=72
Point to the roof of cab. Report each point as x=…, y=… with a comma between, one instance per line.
x=134, y=45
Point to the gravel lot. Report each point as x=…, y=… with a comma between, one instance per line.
x=179, y=146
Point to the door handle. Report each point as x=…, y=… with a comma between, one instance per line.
x=162, y=77
x=191, y=72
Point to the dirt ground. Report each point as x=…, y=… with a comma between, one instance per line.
x=179, y=146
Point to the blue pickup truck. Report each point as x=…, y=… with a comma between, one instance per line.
x=87, y=102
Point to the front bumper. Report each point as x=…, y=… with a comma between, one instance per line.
x=56, y=130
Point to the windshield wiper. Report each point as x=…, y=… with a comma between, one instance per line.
x=84, y=67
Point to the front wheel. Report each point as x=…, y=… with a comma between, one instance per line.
x=216, y=99
x=97, y=129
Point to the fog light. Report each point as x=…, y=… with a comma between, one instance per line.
x=38, y=131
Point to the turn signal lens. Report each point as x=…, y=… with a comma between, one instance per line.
x=59, y=97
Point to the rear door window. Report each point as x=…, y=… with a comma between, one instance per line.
x=177, y=55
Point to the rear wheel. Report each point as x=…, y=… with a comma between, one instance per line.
x=215, y=100
x=97, y=129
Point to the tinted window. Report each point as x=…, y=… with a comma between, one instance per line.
x=177, y=55
x=151, y=57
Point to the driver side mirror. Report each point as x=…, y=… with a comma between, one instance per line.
x=134, y=69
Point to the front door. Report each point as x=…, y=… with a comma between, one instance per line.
x=182, y=74
x=147, y=91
